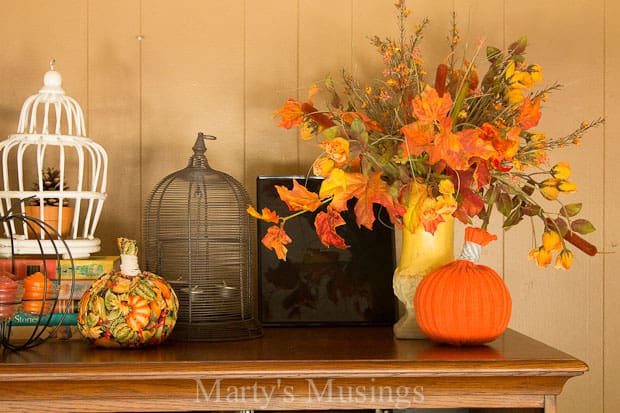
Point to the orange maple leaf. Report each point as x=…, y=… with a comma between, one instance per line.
x=428, y=107
x=459, y=150
x=342, y=186
x=266, y=214
x=293, y=112
x=377, y=192
x=447, y=146
x=529, y=113
x=325, y=224
x=290, y=114
x=418, y=138
x=298, y=198
x=474, y=147
x=275, y=239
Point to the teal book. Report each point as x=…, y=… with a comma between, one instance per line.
x=66, y=319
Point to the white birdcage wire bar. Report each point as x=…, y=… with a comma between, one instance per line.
x=51, y=133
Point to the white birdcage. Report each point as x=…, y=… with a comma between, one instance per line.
x=51, y=137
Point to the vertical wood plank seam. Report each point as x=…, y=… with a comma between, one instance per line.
x=503, y=6
x=603, y=292
x=89, y=118
x=244, y=134
x=140, y=113
x=297, y=79
x=351, y=34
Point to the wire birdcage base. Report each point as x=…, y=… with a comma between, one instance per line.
x=79, y=248
x=217, y=331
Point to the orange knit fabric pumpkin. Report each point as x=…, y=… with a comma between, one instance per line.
x=464, y=303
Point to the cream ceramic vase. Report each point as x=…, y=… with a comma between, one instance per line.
x=421, y=253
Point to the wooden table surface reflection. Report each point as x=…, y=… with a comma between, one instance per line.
x=287, y=369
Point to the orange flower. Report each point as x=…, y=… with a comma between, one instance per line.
x=337, y=149
x=446, y=187
x=322, y=166
x=542, y=257
x=552, y=241
x=275, y=239
x=564, y=260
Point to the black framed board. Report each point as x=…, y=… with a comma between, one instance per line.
x=318, y=285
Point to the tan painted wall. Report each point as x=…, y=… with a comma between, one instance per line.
x=150, y=74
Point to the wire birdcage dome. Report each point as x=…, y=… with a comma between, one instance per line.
x=51, y=162
x=199, y=237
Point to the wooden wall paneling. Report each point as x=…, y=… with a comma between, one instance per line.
x=271, y=59
x=34, y=32
x=114, y=113
x=192, y=81
x=611, y=225
x=324, y=48
x=565, y=308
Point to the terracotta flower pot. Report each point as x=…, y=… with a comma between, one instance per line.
x=50, y=217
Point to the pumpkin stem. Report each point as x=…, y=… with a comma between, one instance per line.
x=475, y=239
x=129, y=256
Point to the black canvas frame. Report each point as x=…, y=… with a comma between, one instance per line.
x=322, y=286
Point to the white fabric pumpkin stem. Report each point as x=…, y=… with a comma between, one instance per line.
x=475, y=239
x=471, y=252
x=129, y=256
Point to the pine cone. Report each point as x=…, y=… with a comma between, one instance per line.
x=51, y=182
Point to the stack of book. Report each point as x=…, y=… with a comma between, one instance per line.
x=70, y=289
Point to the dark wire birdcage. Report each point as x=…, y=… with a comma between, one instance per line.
x=199, y=237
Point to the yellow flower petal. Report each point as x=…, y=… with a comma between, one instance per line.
x=567, y=187
x=552, y=241
x=561, y=171
x=564, y=260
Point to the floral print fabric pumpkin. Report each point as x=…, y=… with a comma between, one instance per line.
x=128, y=308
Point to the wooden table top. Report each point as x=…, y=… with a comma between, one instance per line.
x=294, y=368
x=356, y=350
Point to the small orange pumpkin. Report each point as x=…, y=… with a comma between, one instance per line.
x=462, y=302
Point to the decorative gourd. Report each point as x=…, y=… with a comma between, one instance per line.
x=462, y=302
x=128, y=308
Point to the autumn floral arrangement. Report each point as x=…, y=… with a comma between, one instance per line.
x=465, y=145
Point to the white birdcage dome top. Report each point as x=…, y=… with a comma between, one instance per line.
x=52, y=96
